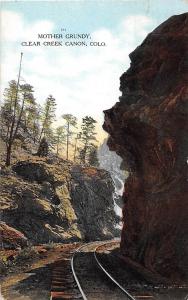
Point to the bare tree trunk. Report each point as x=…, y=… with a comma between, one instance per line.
x=34, y=132
x=68, y=125
x=8, y=154
x=19, y=118
x=41, y=134
x=85, y=151
x=12, y=135
x=43, y=125
x=75, y=149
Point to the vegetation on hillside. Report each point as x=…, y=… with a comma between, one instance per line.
x=27, y=124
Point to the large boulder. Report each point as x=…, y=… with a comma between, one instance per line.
x=148, y=129
x=54, y=200
x=92, y=194
x=10, y=238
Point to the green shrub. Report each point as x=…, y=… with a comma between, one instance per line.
x=49, y=246
x=27, y=254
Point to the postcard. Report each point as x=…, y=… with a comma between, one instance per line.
x=93, y=150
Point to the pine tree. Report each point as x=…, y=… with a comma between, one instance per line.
x=88, y=135
x=26, y=100
x=13, y=106
x=48, y=117
x=93, y=156
x=7, y=109
x=71, y=121
x=9, y=115
x=13, y=111
x=34, y=122
x=31, y=120
x=15, y=114
x=81, y=155
x=16, y=99
x=60, y=138
x=43, y=149
x=78, y=136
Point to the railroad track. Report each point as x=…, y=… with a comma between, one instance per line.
x=130, y=292
x=78, y=275
x=92, y=281
x=89, y=274
x=63, y=285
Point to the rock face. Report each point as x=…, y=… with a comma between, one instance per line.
x=57, y=201
x=10, y=237
x=92, y=198
x=148, y=129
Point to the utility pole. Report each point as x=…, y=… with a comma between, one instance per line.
x=11, y=135
x=68, y=129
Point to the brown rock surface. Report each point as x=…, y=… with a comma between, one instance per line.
x=148, y=129
x=10, y=237
x=55, y=200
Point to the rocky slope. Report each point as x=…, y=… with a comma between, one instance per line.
x=148, y=129
x=54, y=200
x=11, y=238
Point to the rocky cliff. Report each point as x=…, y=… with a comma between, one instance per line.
x=148, y=129
x=54, y=200
x=111, y=162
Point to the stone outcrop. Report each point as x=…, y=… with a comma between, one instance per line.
x=54, y=200
x=11, y=238
x=92, y=198
x=148, y=129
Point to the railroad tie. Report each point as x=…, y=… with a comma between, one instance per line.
x=63, y=285
x=142, y=297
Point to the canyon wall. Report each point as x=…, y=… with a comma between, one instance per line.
x=148, y=129
x=53, y=200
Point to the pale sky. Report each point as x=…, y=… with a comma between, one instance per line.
x=83, y=80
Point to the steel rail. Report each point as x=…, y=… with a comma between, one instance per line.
x=101, y=267
x=74, y=273
x=110, y=276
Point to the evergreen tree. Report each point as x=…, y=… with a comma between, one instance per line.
x=93, y=156
x=78, y=136
x=16, y=98
x=14, y=115
x=27, y=99
x=43, y=149
x=48, y=117
x=34, y=122
x=81, y=155
x=9, y=115
x=88, y=135
x=71, y=121
x=60, y=137
x=12, y=99
x=31, y=120
x=7, y=109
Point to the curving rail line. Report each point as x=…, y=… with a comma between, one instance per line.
x=100, y=266
x=110, y=276
x=131, y=293
x=74, y=273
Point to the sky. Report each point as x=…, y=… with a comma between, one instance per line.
x=84, y=80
